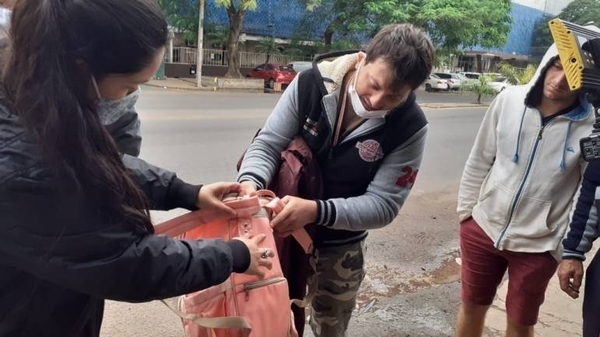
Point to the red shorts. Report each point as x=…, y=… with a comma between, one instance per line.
x=483, y=267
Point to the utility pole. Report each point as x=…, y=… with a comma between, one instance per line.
x=200, y=45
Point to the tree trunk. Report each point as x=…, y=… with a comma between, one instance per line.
x=479, y=99
x=328, y=35
x=268, y=57
x=236, y=17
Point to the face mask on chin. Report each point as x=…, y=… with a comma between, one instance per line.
x=357, y=105
x=111, y=111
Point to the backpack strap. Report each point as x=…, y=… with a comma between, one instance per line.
x=275, y=205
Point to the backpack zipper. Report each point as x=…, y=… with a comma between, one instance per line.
x=259, y=284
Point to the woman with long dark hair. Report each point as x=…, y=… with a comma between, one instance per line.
x=74, y=213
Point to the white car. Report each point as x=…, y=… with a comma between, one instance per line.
x=298, y=66
x=435, y=83
x=499, y=83
x=454, y=80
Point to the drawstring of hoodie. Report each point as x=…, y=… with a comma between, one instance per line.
x=516, y=156
x=563, y=163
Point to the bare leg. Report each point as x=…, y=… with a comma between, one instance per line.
x=470, y=320
x=514, y=329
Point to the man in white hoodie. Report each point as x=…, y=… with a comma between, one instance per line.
x=515, y=196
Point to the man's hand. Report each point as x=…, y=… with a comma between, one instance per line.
x=570, y=274
x=296, y=214
x=248, y=188
x=211, y=196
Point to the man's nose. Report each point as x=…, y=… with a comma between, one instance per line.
x=377, y=101
x=561, y=81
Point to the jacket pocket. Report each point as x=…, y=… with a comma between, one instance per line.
x=494, y=205
x=531, y=219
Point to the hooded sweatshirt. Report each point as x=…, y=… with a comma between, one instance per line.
x=521, y=176
x=377, y=181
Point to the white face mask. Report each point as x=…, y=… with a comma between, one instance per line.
x=357, y=105
x=111, y=111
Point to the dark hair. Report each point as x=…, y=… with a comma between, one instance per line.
x=407, y=49
x=56, y=46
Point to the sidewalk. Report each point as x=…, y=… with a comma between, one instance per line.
x=181, y=84
x=208, y=84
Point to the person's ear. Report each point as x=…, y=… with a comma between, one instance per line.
x=359, y=58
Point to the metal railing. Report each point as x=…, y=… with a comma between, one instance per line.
x=217, y=57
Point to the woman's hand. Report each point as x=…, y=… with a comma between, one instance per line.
x=259, y=257
x=211, y=196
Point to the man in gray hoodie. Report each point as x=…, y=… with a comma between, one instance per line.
x=515, y=195
x=357, y=113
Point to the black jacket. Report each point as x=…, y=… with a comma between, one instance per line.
x=59, y=260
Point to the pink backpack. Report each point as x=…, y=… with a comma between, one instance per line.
x=243, y=305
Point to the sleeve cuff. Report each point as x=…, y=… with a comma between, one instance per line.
x=326, y=213
x=249, y=177
x=183, y=195
x=241, y=256
x=573, y=255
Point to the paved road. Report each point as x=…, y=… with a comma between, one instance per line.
x=412, y=287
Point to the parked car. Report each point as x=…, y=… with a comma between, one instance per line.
x=470, y=75
x=453, y=79
x=298, y=66
x=272, y=73
x=499, y=83
x=435, y=83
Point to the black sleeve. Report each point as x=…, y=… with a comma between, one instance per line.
x=64, y=242
x=164, y=190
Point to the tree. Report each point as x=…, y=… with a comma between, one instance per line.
x=479, y=87
x=517, y=76
x=463, y=23
x=351, y=21
x=268, y=46
x=450, y=24
x=183, y=15
x=236, y=10
x=581, y=12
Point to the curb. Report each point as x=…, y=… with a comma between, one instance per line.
x=204, y=88
x=453, y=105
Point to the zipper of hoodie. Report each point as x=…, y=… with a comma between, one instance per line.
x=520, y=190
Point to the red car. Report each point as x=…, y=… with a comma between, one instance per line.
x=273, y=72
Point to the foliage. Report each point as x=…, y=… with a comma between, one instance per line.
x=450, y=24
x=581, y=12
x=517, y=76
x=479, y=87
x=183, y=16
x=463, y=23
x=268, y=46
x=216, y=35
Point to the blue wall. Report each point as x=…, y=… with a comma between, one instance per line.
x=276, y=17
x=520, y=37
x=281, y=18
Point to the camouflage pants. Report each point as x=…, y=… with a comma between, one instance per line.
x=340, y=271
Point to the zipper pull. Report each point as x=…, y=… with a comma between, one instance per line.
x=540, y=134
x=247, y=294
